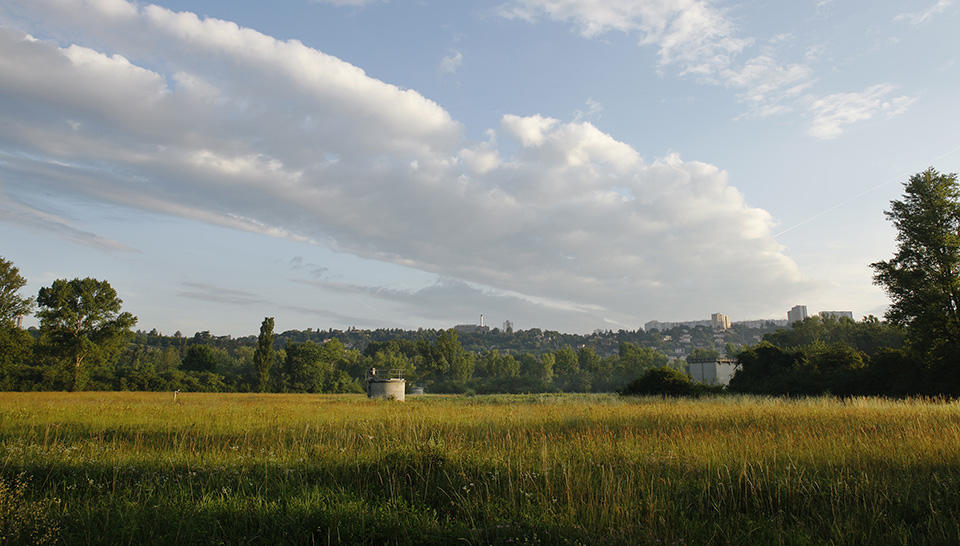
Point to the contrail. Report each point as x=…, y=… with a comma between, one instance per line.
x=859, y=195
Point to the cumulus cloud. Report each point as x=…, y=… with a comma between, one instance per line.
x=204, y=119
x=920, y=17
x=833, y=112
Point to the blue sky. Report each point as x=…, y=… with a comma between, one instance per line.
x=568, y=164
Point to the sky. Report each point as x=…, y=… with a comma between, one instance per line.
x=563, y=164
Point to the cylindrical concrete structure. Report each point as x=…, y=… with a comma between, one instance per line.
x=387, y=389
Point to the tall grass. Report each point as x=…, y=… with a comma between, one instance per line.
x=125, y=467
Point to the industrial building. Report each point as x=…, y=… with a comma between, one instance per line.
x=713, y=371
x=389, y=386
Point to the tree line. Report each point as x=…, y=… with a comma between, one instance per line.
x=85, y=342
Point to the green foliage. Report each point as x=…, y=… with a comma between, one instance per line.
x=923, y=277
x=453, y=358
x=768, y=369
x=816, y=369
x=11, y=303
x=202, y=358
x=661, y=381
x=263, y=357
x=16, y=352
x=634, y=360
x=869, y=335
x=306, y=368
x=81, y=322
x=699, y=354
x=543, y=369
x=567, y=362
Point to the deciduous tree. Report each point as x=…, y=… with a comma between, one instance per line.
x=81, y=321
x=11, y=303
x=923, y=277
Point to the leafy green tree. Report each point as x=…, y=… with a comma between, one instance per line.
x=263, y=357
x=502, y=366
x=306, y=368
x=566, y=362
x=923, y=277
x=16, y=345
x=768, y=369
x=81, y=321
x=391, y=359
x=543, y=370
x=200, y=358
x=11, y=303
x=16, y=352
x=633, y=360
x=459, y=363
x=836, y=369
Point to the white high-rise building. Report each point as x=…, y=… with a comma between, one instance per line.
x=798, y=313
x=719, y=321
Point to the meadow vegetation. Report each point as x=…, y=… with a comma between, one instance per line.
x=100, y=467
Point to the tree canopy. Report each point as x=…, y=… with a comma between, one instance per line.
x=923, y=277
x=81, y=321
x=11, y=303
x=263, y=357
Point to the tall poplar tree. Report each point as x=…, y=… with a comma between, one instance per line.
x=263, y=357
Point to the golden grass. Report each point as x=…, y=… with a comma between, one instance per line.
x=540, y=468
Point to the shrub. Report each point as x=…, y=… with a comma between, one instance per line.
x=663, y=380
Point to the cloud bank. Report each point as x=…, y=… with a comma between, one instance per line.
x=200, y=118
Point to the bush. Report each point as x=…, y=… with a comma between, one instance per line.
x=663, y=380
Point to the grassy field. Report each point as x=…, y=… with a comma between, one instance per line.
x=93, y=468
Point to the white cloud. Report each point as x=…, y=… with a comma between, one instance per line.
x=832, y=112
x=920, y=17
x=689, y=33
x=692, y=36
x=26, y=216
x=235, y=128
x=696, y=38
x=483, y=157
x=451, y=63
x=593, y=110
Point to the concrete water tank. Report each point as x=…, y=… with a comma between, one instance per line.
x=390, y=386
